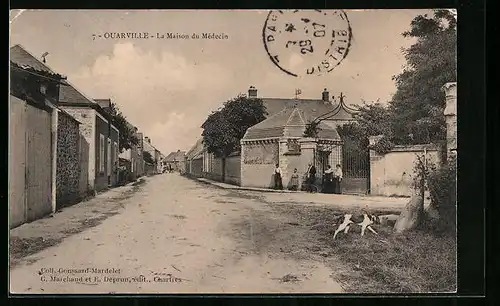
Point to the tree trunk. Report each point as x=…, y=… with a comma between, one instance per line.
x=223, y=174
x=411, y=216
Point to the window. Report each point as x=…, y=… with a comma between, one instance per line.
x=109, y=157
x=101, y=153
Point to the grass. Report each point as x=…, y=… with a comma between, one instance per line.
x=412, y=262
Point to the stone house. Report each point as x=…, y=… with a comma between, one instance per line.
x=99, y=134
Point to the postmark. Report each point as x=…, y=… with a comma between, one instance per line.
x=307, y=42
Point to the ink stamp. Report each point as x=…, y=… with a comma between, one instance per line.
x=307, y=42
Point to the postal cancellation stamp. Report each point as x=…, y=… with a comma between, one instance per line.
x=307, y=42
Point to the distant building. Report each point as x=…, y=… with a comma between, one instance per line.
x=176, y=161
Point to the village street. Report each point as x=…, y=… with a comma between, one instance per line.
x=172, y=234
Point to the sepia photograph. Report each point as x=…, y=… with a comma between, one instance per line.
x=232, y=151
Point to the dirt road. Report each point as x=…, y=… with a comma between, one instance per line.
x=175, y=235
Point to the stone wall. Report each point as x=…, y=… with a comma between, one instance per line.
x=391, y=173
x=68, y=161
x=86, y=117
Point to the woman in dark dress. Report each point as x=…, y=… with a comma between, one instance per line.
x=328, y=180
x=337, y=178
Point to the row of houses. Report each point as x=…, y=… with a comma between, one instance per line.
x=278, y=140
x=63, y=145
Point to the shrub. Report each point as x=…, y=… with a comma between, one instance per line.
x=383, y=146
x=442, y=188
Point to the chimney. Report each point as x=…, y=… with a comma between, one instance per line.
x=326, y=95
x=252, y=92
x=104, y=103
x=147, y=139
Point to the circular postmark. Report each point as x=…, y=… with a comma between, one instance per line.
x=307, y=42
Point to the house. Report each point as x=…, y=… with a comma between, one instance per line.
x=100, y=134
x=43, y=142
x=277, y=139
x=194, y=159
x=132, y=157
x=151, y=166
x=140, y=157
x=98, y=137
x=176, y=161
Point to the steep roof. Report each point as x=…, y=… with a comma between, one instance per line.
x=292, y=120
x=68, y=95
x=196, y=150
x=19, y=55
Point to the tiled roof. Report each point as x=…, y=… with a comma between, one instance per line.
x=274, y=126
x=314, y=107
x=22, y=57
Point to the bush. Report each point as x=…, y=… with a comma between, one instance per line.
x=383, y=146
x=442, y=184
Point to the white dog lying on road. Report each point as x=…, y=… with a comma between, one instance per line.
x=366, y=222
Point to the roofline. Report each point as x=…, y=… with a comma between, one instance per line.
x=41, y=62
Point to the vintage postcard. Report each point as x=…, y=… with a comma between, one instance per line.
x=232, y=151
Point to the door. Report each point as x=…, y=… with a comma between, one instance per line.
x=17, y=162
x=39, y=163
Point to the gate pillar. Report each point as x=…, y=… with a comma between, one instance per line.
x=308, y=148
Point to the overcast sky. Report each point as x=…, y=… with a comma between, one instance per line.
x=168, y=87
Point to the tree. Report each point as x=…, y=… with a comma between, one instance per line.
x=418, y=104
x=128, y=137
x=371, y=120
x=415, y=113
x=224, y=128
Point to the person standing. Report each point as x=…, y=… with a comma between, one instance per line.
x=294, y=181
x=328, y=180
x=337, y=179
x=278, y=184
x=311, y=176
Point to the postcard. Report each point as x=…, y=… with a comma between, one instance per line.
x=232, y=151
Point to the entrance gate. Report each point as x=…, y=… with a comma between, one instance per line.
x=354, y=160
x=355, y=168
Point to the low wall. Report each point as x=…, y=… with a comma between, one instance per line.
x=391, y=173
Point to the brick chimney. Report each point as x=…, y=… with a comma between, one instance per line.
x=147, y=139
x=325, y=95
x=252, y=92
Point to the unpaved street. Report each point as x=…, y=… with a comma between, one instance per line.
x=176, y=235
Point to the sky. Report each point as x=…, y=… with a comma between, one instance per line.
x=168, y=87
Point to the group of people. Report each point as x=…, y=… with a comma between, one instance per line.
x=331, y=179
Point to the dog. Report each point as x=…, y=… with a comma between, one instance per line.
x=365, y=220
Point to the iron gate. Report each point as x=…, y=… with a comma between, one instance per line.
x=355, y=168
x=354, y=160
